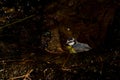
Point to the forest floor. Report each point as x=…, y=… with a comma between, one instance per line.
x=92, y=65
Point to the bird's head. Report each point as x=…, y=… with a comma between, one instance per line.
x=70, y=41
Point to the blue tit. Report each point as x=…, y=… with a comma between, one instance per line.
x=77, y=46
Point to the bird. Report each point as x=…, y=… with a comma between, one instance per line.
x=75, y=47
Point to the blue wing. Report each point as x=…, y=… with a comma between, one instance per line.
x=81, y=47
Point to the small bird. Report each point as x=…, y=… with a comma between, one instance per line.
x=77, y=46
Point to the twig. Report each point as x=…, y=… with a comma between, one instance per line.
x=15, y=61
x=20, y=20
x=66, y=61
x=66, y=69
x=1, y=70
x=25, y=77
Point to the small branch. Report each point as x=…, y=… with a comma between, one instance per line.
x=66, y=69
x=66, y=61
x=20, y=20
x=25, y=77
x=1, y=70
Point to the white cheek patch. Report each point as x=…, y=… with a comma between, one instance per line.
x=71, y=43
